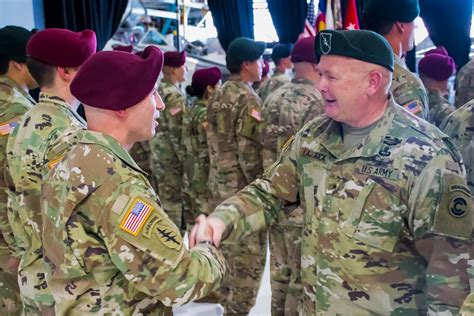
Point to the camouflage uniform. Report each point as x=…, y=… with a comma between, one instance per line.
x=408, y=90
x=465, y=84
x=141, y=154
x=168, y=153
x=460, y=126
x=285, y=111
x=440, y=108
x=110, y=246
x=277, y=80
x=197, y=156
x=14, y=102
x=29, y=156
x=234, y=118
x=387, y=223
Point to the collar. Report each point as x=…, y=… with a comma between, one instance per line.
x=61, y=103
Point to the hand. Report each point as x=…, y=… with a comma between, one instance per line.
x=206, y=229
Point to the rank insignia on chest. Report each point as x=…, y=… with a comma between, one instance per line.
x=136, y=217
x=7, y=128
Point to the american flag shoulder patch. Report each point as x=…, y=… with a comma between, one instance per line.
x=175, y=110
x=413, y=106
x=257, y=115
x=136, y=217
x=7, y=128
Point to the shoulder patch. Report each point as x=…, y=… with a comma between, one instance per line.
x=205, y=124
x=256, y=114
x=413, y=107
x=136, y=217
x=175, y=110
x=7, y=128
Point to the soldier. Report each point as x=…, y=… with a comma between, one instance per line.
x=234, y=117
x=284, y=113
x=388, y=214
x=265, y=75
x=459, y=126
x=15, y=81
x=435, y=70
x=394, y=19
x=465, y=84
x=54, y=56
x=110, y=246
x=204, y=83
x=281, y=58
x=167, y=148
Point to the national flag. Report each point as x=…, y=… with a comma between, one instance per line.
x=136, y=217
x=311, y=15
x=309, y=29
x=351, y=22
x=414, y=107
x=329, y=16
x=321, y=18
x=256, y=115
x=7, y=128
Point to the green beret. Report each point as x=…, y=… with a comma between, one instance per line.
x=281, y=51
x=362, y=45
x=13, y=40
x=245, y=49
x=393, y=10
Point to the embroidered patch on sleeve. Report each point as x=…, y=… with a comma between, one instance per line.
x=7, y=128
x=136, y=217
x=414, y=107
x=256, y=115
x=175, y=110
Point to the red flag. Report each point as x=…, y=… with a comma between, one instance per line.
x=351, y=22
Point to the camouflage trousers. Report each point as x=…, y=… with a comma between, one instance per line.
x=285, y=263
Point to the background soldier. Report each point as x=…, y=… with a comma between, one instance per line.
x=388, y=214
x=394, y=19
x=15, y=81
x=54, y=56
x=234, y=117
x=435, y=69
x=110, y=246
x=465, y=84
x=285, y=112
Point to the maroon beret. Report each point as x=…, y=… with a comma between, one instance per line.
x=117, y=80
x=437, y=66
x=123, y=48
x=61, y=47
x=266, y=68
x=175, y=59
x=304, y=51
x=206, y=77
x=438, y=50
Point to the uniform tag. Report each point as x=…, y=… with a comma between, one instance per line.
x=306, y=152
x=378, y=171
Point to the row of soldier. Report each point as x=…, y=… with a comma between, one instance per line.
x=102, y=223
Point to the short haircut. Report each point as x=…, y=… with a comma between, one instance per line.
x=377, y=24
x=4, y=63
x=234, y=66
x=41, y=72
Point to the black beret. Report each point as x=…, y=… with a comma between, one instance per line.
x=362, y=45
x=13, y=40
x=393, y=10
x=245, y=49
x=281, y=51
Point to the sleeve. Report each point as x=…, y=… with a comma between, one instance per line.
x=441, y=223
x=177, y=106
x=412, y=96
x=201, y=175
x=149, y=250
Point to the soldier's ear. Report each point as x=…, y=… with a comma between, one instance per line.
x=376, y=82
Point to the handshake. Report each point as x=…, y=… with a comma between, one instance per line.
x=206, y=230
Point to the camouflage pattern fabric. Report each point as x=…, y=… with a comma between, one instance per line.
x=284, y=113
x=387, y=224
x=197, y=157
x=465, y=84
x=14, y=102
x=30, y=155
x=440, y=108
x=234, y=117
x=460, y=127
x=277, y=80
x=408, y=90
x=168, y=153
x=110, y=247
x=468, y=306
x=141, y=154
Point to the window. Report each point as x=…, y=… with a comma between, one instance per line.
x=263, y=25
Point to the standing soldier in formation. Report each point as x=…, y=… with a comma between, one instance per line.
x=235, y=118
x=465, y=84
x=54, y=56
x=435, y=69
x=388, y=214
x=284, y=113
x=204, y=83
x=15, y=81
x=167, y=149
x=109, y=245
x=281, y=58
x=265, y=75
x=394, y=19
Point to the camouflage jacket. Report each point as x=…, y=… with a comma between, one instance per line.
x=460, y=127
x=408, y=90
x=141, y=154
x=465, y=84
x=197, y=155
x=440, y=108
x=29, y=156
x=14, y=102
x=109, y=245
x=388, y=222
x=277, y=80
x=285, y=112
x=234, y=117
